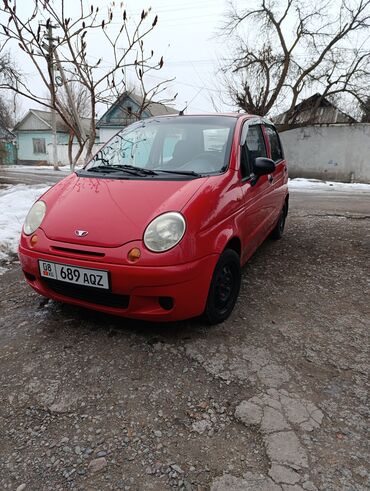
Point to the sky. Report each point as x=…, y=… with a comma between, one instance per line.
x=186, y=34
x=187, y=37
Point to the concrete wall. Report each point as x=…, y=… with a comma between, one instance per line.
x=339, y=152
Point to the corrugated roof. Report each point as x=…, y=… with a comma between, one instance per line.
x=152, y=109
x=45, y=117
x=155, y=108
x=302, y=112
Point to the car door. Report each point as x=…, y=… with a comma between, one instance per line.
x=278, y=180
x=255, y=213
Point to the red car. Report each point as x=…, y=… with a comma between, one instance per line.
x=158, y=225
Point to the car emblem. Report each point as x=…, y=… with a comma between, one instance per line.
x=81, y=233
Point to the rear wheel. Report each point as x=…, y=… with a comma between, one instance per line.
x=278, y=231
x=224, y=289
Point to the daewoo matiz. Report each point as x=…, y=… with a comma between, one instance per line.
x=159, y=223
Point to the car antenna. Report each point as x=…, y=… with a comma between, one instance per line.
x=181, y=113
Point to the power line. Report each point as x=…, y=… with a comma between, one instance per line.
x=199, y=19
x=165, y=9
x=190, y=85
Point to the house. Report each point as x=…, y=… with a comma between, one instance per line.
x=314, y=110
x=8, y=149
x=124, y=111
x=35, y=136
x=322, y=142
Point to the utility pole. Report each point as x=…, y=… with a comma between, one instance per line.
x=50, y=28
x=70, y=97
x=53, y=55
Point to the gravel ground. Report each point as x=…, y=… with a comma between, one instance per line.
x=273, y=399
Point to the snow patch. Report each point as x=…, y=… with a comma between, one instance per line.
x=300, y=184
x=40, y=169
x=15, y=202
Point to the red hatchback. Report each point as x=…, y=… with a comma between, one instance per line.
x=159, y=223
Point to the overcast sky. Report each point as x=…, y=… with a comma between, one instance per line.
x=186, y=36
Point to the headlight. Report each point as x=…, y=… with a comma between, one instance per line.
x=164, y=232
x=34, y=218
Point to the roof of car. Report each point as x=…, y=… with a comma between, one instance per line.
x=235, y=115
x=230, y=114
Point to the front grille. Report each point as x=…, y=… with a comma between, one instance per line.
x=77, y=251
x=88, y=294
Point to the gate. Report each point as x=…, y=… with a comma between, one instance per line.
x=8, y=153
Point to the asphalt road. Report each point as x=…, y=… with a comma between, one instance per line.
x=33, y=176
x=273, y=399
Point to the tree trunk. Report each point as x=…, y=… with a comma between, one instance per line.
x=92, y=133
x=70, y=155
x=77, y=156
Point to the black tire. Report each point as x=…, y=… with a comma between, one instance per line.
x=278, y=231
x=224, y=288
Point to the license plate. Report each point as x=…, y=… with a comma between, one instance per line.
x=95, y=278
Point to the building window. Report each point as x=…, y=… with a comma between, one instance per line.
x=129, y=110
x=39, y=145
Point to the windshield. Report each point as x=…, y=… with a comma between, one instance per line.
x=185, y=145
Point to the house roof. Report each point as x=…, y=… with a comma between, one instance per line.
x=316, y=101
x=151, y=109
x=41, y=120
x=156, y=108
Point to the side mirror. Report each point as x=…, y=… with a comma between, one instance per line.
x=263, y=166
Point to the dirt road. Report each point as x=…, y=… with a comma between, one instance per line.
x=273, y=399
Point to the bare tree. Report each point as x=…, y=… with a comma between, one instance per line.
x=155, y=92
x=8, y=105
x=6, y=116
x=69, y=51
x=365, y=108
x=272, y=66
x=9, y=73
x=78, y=95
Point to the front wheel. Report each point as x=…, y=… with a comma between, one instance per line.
x=224, y=288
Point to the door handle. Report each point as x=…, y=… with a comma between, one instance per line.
x=271, y=179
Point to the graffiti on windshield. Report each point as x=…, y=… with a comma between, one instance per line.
x=123, y=150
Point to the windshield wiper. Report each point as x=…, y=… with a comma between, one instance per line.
x=102, y=168
x=129, y=169
x=138, y=170
x=181, y=172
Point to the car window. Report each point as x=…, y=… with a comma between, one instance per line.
x=133, y=151
x=215, y=139
x=253, y=147
x=276, y=150
x=169, y=142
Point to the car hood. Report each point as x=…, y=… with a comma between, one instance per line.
x=112, y=211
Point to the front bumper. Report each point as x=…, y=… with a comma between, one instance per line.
x=141, y=287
